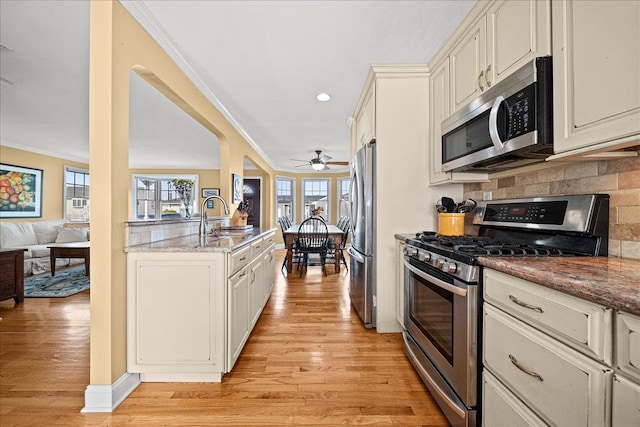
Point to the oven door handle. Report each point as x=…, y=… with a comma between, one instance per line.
x=440, y=283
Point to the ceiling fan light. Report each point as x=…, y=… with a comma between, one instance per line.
x=317, y=166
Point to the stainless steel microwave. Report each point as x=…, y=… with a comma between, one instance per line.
x=510, y=125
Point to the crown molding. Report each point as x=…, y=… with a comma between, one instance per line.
x=35, y=150
x=141, y=13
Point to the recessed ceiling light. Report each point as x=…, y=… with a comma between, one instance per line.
x=323, y=97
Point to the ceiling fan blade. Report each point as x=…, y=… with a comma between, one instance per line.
x=338, y=163
x=301, y=166
x=300, y=160
x=324, y=158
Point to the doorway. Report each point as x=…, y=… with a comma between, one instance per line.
x=251, y=193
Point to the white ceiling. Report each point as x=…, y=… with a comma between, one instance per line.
x=261, y=62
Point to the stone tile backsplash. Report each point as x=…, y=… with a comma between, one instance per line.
x=618, y=178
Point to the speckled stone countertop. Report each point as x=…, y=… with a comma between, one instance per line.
x=612, y=282
x=219, y=241
x=404, y=236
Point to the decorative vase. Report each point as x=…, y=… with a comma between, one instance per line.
x=187, y=209
x=184, y=188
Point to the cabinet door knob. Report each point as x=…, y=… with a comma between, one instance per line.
x=480, y=80
x=486, y=76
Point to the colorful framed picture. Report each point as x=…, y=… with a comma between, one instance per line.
x=20, y=192
x=206, y=192
x=237, y=188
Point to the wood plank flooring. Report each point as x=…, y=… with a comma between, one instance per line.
x=309, y=361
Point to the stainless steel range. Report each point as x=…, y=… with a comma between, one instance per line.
x=443, y=285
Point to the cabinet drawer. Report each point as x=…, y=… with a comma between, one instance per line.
x=561, y=385
x=625, y=402
x=583, y=325
x=500, y=407
x=628, y=344
x=257, y=246
x=269, y=240
x=239, y=259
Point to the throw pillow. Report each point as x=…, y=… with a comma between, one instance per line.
x=70, y=235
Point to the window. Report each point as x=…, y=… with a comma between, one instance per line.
x=76, y=194
x=316, y=198
x=343, y=197
x=285, y=197
x=155, y=197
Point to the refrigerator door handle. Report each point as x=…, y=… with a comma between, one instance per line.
x=355, y=255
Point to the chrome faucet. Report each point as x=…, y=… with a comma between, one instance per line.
x=203, y=212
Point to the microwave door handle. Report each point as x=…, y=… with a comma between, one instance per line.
x=493, y=123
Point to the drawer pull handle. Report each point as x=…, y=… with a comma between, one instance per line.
x=525, y=370
x=243, y=258
x=244, y=273
x=525, y=305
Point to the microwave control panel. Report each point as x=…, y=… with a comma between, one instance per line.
x=521, y=110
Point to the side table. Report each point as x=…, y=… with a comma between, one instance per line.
x=12, y=274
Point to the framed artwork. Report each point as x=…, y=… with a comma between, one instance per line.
x=20, y=192
x=237, y=188
x=206, y=192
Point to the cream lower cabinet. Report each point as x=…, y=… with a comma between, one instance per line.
x=400, y=282
x=189, y=314
x=625, y=400
x=268, y=272
x=596, y=82
x=239, y=315
x=626, y=383
x=547, y=351
x=175, y=316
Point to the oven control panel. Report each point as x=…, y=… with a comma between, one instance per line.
x=581, y=213
x=528, y=213
x=465, y=272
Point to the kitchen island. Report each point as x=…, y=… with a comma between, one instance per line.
x=192, y=302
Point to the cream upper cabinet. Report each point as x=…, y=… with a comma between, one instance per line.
x=502, y=37
x=596, y=72
x=517, y=32
x=439, y=110
x=468, y=59
x=365, y=119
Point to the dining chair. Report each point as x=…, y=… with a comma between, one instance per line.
x=313, y=236
x=285, y=223
x=343, y=224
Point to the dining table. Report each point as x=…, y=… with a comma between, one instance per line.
x=291, y=233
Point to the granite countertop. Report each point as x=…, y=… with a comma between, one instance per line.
x=404, y=236
x=612, y=282
x=218, y=241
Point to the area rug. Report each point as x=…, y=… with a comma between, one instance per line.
x=65, y=283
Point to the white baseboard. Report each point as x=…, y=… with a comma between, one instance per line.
x=106, y=398
x=183, y=377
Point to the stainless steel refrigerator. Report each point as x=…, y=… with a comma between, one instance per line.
x=362, y=286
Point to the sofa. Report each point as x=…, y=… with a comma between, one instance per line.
x=35, y=236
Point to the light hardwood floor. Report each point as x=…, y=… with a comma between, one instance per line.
x=309, y=362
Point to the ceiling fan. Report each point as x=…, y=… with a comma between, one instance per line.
x=320, y=162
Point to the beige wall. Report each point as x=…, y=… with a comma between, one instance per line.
x=618, y=178
x=53, y=178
